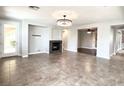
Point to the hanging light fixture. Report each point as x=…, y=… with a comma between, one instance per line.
x=64, y=22
x=89, y=31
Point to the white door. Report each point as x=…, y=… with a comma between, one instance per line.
x=9, y=40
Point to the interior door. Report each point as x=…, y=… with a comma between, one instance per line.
x=9, y=40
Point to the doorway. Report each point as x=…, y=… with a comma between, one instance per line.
x=9, y=39
x=117, y=41
x=87, y=41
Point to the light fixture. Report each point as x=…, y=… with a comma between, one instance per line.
x=34, y=7
x=64, y=22
x=89, y=31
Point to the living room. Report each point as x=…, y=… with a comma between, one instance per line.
x=59, y=47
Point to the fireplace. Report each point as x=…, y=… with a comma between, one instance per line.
x=55, y=46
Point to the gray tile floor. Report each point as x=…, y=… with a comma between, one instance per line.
x=68, y=68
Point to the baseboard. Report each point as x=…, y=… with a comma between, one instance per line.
x=119, y=49
x=103, y=57
x=113, y=54
x=89, y=51
x=24, y=56
x=71, y=50
x=37, y=53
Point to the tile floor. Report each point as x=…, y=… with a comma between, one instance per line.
x=68, y=69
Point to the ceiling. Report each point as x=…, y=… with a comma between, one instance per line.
x=49, y=14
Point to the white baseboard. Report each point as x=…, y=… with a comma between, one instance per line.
x=104, y=57
x=113, y=54
x=24, y=56
x=38, y=53
x=71, y=50
x=35, y=53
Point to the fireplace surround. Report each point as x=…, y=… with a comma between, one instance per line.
x=55, y=46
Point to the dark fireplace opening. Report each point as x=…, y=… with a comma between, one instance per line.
x=55, y=46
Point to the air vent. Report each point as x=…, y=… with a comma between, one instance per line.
x=34, y=7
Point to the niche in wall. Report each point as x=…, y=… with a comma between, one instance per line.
x=38, y=39
x=87, y=41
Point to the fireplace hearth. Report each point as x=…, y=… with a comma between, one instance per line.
x=55, y=46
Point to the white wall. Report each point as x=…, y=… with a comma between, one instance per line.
x=56, y=33
x=103, y=41
x=24, y=39
x=112, y=40
x=72, y=39
x=65, y=39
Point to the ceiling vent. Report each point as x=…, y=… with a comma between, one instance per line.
x=34, y=7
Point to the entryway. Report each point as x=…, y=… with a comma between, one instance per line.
x=87, y=41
